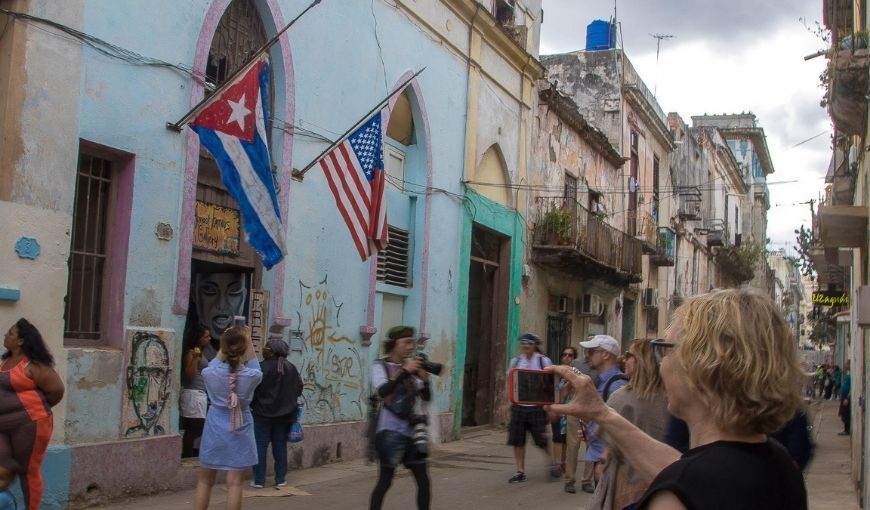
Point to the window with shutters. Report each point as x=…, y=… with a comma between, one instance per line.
x=393, y=262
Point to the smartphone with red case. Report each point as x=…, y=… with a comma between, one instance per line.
x=531, y=387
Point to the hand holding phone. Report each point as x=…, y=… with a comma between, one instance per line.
x=531, y=387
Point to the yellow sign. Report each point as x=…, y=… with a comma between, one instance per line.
x=217, y=229
x=831, y=298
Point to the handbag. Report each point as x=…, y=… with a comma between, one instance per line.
x=294, y=432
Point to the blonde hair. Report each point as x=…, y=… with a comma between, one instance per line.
x=740, y=359
x=233, y=345
x=646, y=382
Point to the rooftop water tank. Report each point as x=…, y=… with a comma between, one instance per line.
x=600, y=35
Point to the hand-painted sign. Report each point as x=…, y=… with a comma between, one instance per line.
x=259, y=318
x=831, y=298
x=217, y=229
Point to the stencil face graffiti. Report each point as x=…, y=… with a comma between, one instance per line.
x=331, y=364
x=147, y=385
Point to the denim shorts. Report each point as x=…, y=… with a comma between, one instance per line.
x=394, y=448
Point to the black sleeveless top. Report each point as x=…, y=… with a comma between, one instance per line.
x=730, y=475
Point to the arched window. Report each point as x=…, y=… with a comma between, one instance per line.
x=238, y=35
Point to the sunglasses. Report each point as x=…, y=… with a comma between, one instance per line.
x=661, y=348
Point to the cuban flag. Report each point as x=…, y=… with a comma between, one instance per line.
x=355, y=173
x=233, y=129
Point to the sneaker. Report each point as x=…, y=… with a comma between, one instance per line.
x=255, y=485
x=518, y=477
x=555, y=471
x=569, y=488
x=281, y=484
x=588, y=487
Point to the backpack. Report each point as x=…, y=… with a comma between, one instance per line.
x=617, y=377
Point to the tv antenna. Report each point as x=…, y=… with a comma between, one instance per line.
x=659, y=38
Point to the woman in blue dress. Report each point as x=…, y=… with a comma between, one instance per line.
x=228, y=442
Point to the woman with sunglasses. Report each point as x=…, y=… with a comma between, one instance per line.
x=730, y=371
x=642, y=402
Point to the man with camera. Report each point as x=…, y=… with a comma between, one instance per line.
x=398, y=380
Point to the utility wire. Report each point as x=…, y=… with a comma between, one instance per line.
x=106, y=48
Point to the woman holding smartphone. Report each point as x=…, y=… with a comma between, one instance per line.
x=730, y=371
x=228, y=442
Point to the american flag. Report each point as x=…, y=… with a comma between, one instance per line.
x=355, y=173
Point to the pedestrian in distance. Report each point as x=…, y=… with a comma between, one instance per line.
x=845, y=411
x=559, y=423
x=835, y=379
x=526, y=418
x=642, y=402
x=602, y=352
x=228, y=442
x=274, y=410
x=29, y=388
x=730, y=370
x=573, y=442
x=399, y=381
x=193, y=400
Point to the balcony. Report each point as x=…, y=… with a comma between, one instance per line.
x=843, y=226
x=848, y=88
x=717, y=233
x=666, y=247
x=568, y=238
x=689, y=203
x=647, y=233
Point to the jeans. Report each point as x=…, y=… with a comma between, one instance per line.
x=266, y=431
x=7, y=502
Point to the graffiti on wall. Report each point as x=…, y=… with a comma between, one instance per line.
x=144, y=409
x=330, y=361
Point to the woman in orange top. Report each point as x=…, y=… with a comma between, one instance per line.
x=29, y=388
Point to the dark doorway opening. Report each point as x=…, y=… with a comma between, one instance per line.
x=628, y=318
x=558, y=336
x=488, y=284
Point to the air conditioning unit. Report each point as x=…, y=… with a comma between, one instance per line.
x=650, y=297
x=589, y=305
x=564, y=304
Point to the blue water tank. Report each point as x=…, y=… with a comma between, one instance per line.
x=600, y=35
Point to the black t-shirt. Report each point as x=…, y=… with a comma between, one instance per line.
x=732, y=475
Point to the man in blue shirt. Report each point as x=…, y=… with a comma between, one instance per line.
x=601, y=354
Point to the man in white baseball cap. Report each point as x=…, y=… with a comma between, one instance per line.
x=601, y=354
x=606, y=342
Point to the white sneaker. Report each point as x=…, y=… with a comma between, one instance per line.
x=282, y=484
x=255, y=485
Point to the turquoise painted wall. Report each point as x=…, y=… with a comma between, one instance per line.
x=510, y=223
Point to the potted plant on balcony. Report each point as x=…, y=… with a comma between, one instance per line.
x=557, y=225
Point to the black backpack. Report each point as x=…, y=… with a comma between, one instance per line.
x=617, y=377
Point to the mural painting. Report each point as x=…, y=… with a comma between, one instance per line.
x=144, y=409
x=330, y=361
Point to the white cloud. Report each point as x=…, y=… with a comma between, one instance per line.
x=730, y=71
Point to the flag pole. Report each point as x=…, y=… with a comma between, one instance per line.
x=176, y=126
x=300, y=174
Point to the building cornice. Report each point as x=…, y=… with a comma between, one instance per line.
x=566, y=109
x=649, y=116
x=759, y=141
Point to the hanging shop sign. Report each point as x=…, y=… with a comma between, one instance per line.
x=825, y=298
x=218, y=229
x=259, y=318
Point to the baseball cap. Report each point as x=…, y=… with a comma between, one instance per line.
x=606, y=342
x=530, y=338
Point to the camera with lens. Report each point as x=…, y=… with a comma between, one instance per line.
x=419, y=434
x=429, y=366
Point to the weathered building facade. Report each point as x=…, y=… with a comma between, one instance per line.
x=581, y=260
x=611, y=96
x=115, y=216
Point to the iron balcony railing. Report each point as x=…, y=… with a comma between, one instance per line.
x=565, y=224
